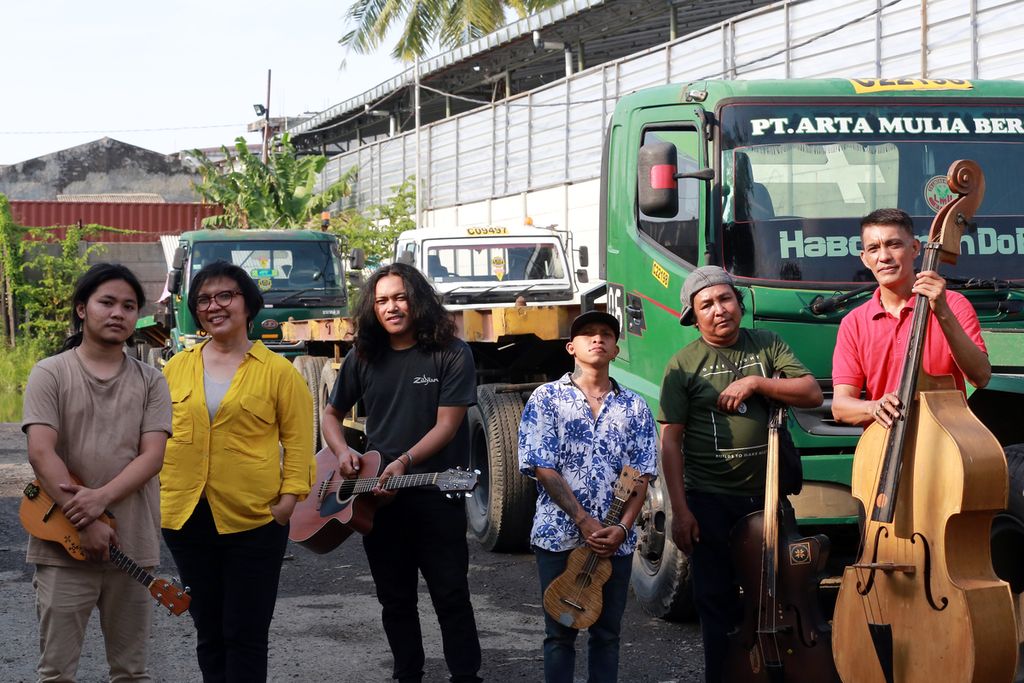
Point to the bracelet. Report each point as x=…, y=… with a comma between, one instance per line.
x=408, y=457
x=623, y=527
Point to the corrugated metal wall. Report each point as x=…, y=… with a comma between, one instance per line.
x=552, y=136
x=150, y=220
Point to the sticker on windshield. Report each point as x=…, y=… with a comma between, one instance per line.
x=870, y=85
x=264, y=283
x=262, y=272
x=498, y=267
x=937, y=193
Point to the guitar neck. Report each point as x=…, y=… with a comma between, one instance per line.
x=350, y=487
x=130, y=567
x=614, y=515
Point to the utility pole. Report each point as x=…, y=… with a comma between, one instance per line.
x=416, y=107
x=266, y=123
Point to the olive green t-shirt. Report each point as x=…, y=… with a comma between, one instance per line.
x=724, y=452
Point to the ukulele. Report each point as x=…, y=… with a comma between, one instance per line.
x=43, y=518
x=575, y=598
x=335, y=508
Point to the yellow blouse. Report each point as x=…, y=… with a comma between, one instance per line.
x=259, y=446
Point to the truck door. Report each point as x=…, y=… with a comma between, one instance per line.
x=650, y=256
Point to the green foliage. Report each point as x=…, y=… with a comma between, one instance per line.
x=375, y=231
x=449, y=23
x=277, y=194
x=56, y=265
x=40, y=303
x=15, y=365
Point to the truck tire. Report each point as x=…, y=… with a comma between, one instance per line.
x=309, y=367
x=661, y=572
x=500, y=513
x=1008, y=526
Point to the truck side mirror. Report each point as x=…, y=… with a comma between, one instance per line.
x=584, y=256
x=406, y=257
x=178, y=261
x=582, y=275
x=657, y=189
x=355, y=278
x=174, y=281
x=356, y=259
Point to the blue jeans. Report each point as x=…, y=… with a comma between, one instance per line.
x=714, y=580
x=603, y=641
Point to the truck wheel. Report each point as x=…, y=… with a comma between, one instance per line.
x=309, y=367
x=661, y=572
x=1008, y=526
x=500, y=513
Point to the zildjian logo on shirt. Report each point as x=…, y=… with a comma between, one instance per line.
x=423, y=379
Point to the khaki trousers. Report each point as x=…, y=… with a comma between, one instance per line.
x=65, y=598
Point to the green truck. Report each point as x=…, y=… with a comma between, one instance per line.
x=769, y=179
x=301, y=274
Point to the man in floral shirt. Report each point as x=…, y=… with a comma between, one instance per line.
x=576, y=435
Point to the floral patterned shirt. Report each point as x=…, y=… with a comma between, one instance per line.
x=559, y=431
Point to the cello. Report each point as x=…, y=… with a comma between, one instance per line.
x=783, y=637
x=922, y=602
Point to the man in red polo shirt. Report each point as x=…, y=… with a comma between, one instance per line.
x=872, y=341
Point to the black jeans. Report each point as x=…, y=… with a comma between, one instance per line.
x=714, y=578
x=234, y=580
x=423, y=531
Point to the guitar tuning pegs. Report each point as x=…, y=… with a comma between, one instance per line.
x=468, y=495
x=476, y=472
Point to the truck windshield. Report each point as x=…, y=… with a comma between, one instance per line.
x=796, y=179
x=277, y=267
x=494, y=262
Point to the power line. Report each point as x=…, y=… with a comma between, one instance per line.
x=119, y=130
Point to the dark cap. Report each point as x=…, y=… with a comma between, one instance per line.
x=594, y=317
x=702, y=278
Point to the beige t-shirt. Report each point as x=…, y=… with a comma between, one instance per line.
x=99, y=424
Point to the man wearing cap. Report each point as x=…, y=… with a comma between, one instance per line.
x=714, y=411
x=576, y=435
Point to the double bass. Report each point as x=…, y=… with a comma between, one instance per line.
x=783, y=637
x=922, y=602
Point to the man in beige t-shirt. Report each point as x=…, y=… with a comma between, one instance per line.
x=96, y=413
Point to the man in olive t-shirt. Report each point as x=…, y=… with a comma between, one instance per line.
x=714, y=411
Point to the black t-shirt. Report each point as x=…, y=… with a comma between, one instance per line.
x=401, y=392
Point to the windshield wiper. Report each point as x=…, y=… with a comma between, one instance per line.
x=995, y=284
x=822, y=305
x=299, y=293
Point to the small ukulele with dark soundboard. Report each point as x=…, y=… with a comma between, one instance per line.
x=335, y=508
x=575, y=599
x=44, y=519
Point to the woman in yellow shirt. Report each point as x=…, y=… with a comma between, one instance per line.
x=240, y=457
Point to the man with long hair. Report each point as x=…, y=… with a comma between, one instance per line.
x=416, y=381
x=94, y=412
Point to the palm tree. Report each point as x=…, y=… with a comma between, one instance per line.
x=450, y=22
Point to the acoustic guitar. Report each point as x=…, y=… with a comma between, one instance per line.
x=575, y=598
x=43, y=518
x=335, y=507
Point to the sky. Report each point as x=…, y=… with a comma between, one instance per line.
x=169, y=75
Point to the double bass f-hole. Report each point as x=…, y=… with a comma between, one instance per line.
x=864, y=587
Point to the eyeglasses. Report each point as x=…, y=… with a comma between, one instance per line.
x=223, y=299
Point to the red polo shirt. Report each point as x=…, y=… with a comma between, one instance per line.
x=872, y=345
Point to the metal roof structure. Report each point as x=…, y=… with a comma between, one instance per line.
x=574, y=35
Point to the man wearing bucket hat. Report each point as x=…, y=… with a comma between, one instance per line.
x=714, y=440
x=576, y=435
